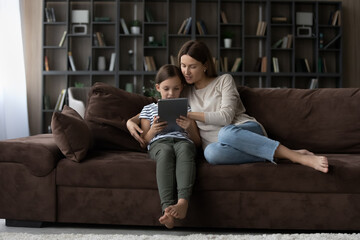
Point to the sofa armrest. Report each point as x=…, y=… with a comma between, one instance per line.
x=38, y=153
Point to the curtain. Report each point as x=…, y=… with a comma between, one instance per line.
x=14, y=120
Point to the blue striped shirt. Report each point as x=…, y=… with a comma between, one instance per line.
x=149, y=112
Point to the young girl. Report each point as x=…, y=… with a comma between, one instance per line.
x=174, y=152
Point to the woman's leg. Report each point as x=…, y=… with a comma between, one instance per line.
x=303, y=157
x=185, y=152
x=238, y=144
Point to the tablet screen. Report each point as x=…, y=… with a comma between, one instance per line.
x=171, y=109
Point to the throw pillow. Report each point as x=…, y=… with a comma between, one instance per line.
x=71, y=133
x=107, y=112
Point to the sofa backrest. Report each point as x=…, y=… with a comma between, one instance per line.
x=107, y=111
x=320, y=120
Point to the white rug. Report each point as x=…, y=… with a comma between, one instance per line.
x=315, y=236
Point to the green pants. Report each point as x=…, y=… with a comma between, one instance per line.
x=175, y=169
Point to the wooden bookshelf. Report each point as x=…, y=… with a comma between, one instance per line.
x=162, y=20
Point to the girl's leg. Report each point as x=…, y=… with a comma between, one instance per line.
x=163, y=152
x=185, y=152
x=243, y=143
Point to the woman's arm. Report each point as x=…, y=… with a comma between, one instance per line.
x=132, y=125
x=197, y=116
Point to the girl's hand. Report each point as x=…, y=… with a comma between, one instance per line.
x=157, y=125
x=184, y=122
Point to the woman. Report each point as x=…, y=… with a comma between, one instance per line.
x=229, y=136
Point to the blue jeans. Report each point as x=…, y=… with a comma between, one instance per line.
x=243, y=143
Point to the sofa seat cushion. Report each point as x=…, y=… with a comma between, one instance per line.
x=39, y=153
x=343, y=176
x=134, y=170
x=109, y=169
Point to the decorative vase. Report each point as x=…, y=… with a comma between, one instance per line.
x=227, y=42
x=135, y=30
x=101, y=63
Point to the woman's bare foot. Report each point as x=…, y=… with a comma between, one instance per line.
x=304, y=151
x=167, y=220
x=178, y=210
x=319, y=163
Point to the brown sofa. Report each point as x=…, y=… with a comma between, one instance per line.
x=93, y=171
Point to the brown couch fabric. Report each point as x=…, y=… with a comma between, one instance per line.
x=38, y=153
x=321, y=120
x=71, y=134
x=25, y=196
x=108, y=110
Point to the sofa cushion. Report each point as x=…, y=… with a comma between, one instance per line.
x=38, y=153
x=303, y=118
x=71, y=134
x=107, y=111
x=135, y=170
x=109, y=169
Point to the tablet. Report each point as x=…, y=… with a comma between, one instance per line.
x=171, y=109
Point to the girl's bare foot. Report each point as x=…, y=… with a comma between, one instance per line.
x=167, y=220
x=178, y=210
x=319, y=163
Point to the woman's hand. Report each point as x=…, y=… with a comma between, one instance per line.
x=135, y=131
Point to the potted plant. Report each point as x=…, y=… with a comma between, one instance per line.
x=135, y=27
x=228, y=36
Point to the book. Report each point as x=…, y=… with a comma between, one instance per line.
x=149, y=17
x=124, y=26
x=188, y=26
x=236, y=65
x=307, y=65
x=101, y=39
x=102, y=19
x=152, y=63
x=53, y=14
x=278, y=43
x=46, y=63
x=60, y=101
x=200, y=31
x=275, y=64
x=289, y=42
x=333, y=40
x=257, y=66
x=263, y=64
x=182, y=27
x=226, y=64
x=335, y=18
x=313, y=83
x=50, y=15
x=261, y=28
x=203, y=27
x=112, y=62
x=279, y=19
x=223, y=17
x=61, y=43
x=71, y=61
